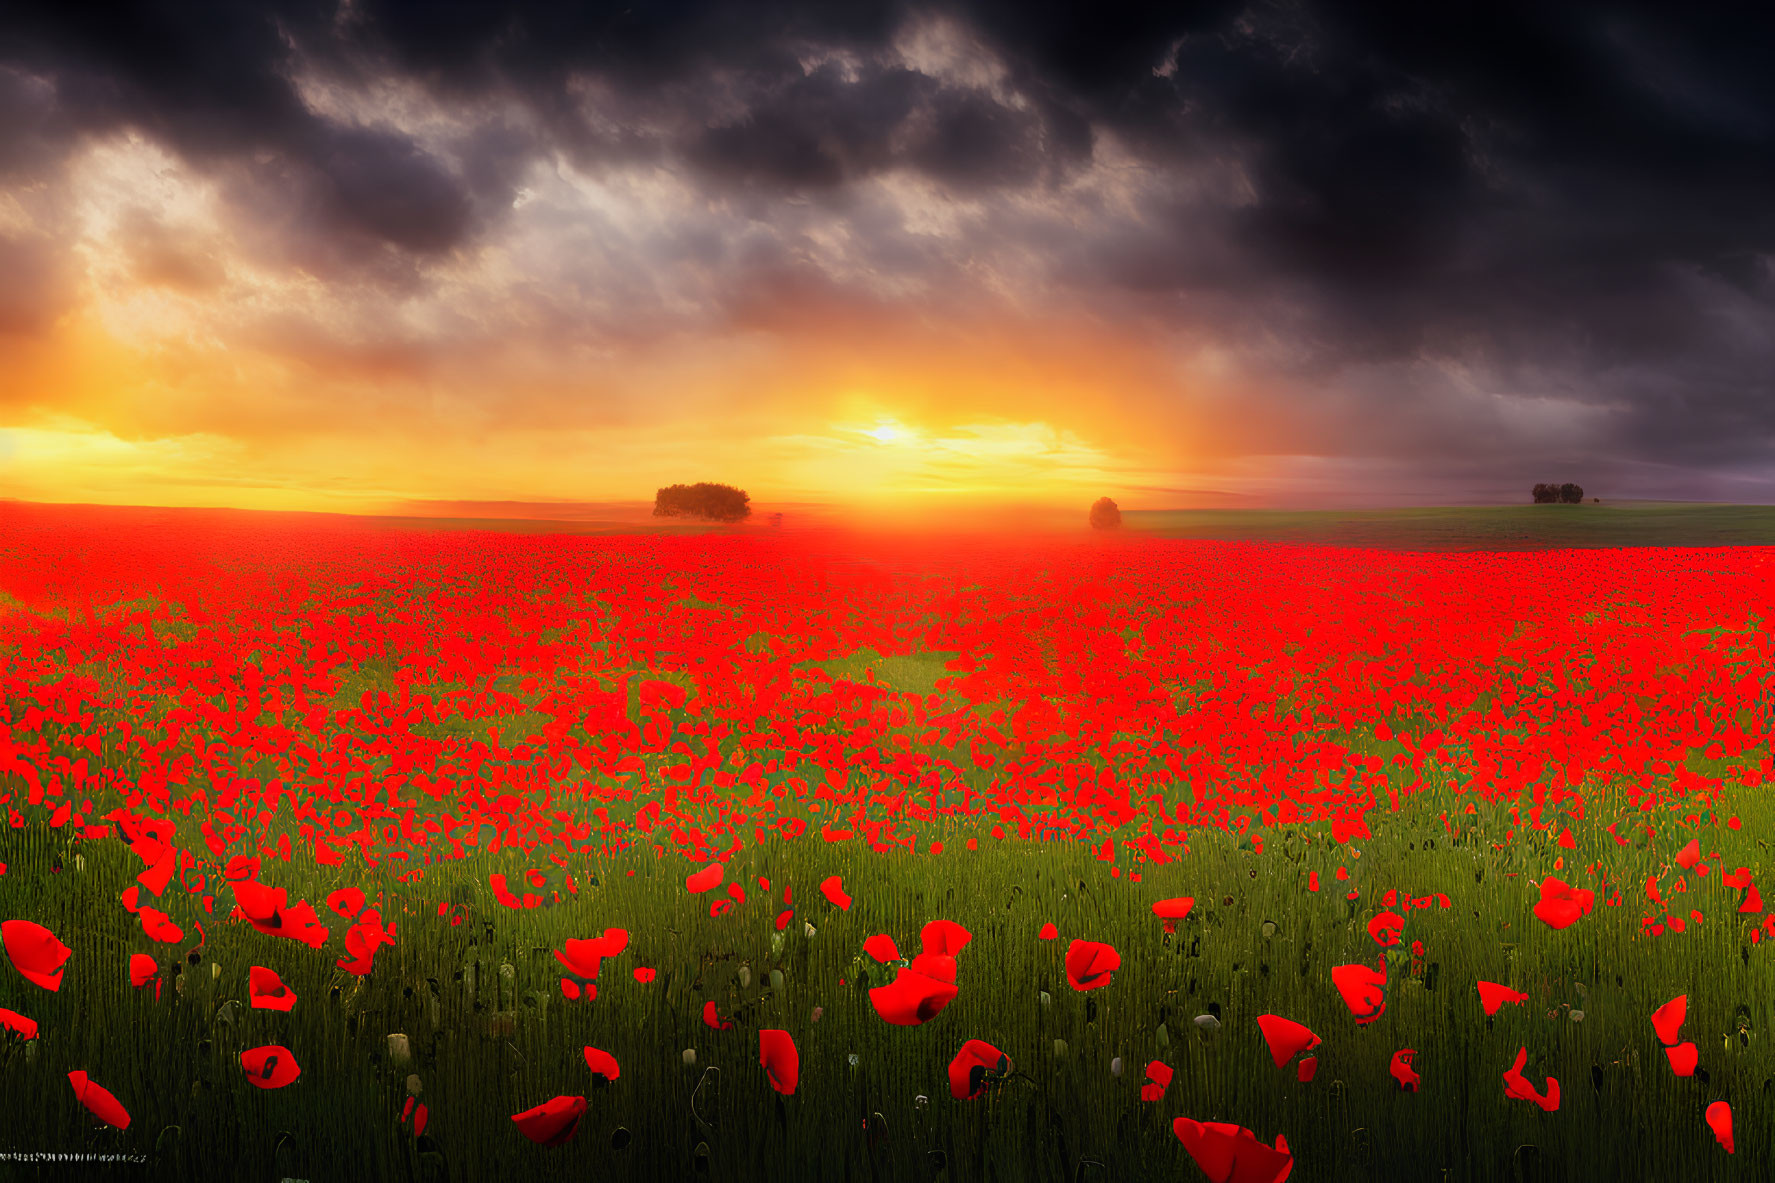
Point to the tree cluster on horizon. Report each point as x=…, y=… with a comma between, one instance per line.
x=1566, y=494
x=721, y=503
x=1105, y=515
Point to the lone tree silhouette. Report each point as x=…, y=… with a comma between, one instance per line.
x=722, y=503
x=1105, y=515
x=1568, y=494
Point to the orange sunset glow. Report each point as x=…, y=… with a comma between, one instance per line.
x=185, y=368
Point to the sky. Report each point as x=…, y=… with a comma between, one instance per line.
x=358, y=255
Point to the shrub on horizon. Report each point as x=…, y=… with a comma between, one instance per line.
x=722, y=503
x=1105, y=515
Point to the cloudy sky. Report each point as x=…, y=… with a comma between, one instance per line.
x=350, y=254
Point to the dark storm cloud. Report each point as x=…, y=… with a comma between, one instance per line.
x=354, y=199
x=213, y=82
x=32, y=131
x=812, y=131
x=1569, y=203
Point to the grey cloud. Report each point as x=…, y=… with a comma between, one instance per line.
x=35, y=285
x=161, y=256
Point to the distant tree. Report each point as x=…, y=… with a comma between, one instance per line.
x=1546, y=494
x=1105, y=515
x=722, y=503
x=1596, y=501
x=1571, y=494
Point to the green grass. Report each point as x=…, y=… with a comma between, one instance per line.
x=1513, y=527
x=917, y=672
x=487, y=1044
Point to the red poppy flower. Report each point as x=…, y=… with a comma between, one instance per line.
x=297, y=922
x=266, y=991
x=141, y=969
x=782, y=1064
x=1305, y=1070
x=347, y=901
x=502, y=893
x=881, y=947
x=712, y=1019
x=270, y=1067
x=1561, y=905
x=1683, y=1058
x=1688, y=856
x=911, y=998
x=976, y=1066
x=944, y=937
x=1171, y=911
x=1386, y=927
x=832, y=887
x=656, y=694
x=936, y=967
x=1229, y=1153
x=1493, y=995
x=361, y=942
x=160, y=871
x=706, y=879
x=1090, y=963
x=643, y=974
x=1364, y=990
x=1719, y=1120
x=1048, y=932
x=159, y=926
x=259, y=902
x=552, y=1122
x=35, y=952
x=1402, y=1070
x=1667, y=1020
x=1517, y=1085
x=581, y=957
x=19, y=1025
x=1158, y=1076
x=1286, y=1037
x=99, y=1102
x=602, y=1063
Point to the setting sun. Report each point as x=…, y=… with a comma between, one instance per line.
x=889, y=433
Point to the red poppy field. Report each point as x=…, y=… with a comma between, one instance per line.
x=335, y=851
